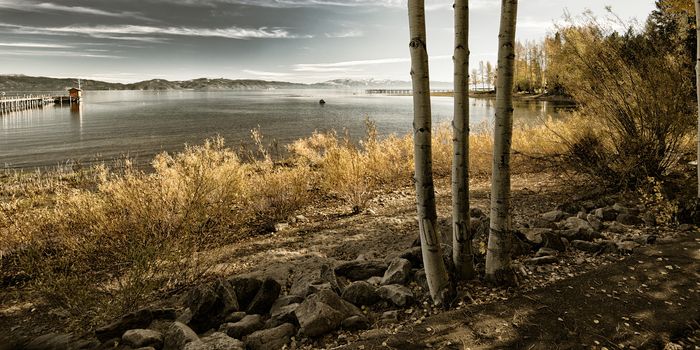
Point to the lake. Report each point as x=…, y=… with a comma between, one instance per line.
x=140, y=124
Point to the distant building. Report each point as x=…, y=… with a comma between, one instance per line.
x=75, y=94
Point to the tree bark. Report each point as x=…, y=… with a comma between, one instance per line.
x=435, y=270
x=697, y=81
x=498, y=267
x=462, y=254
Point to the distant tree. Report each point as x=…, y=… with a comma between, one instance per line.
x=482, y=71
x=489, y=73
x=498, y=266
x=462, y=254
x=475, y=78
x=697, y=80
x=435, y=269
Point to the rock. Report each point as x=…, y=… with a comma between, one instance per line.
x=267, y=295
x=585, y=246
x=361, y=293
x=139, y=338
x=476, y=213
x=375, y=281
x=328, y=275
x=216, y=341
x=246, y=288
x=398, y=272
x=270, y=339
x=625, y=210
x=185, y=317
x=55, y=341
x=281, y=226
x=284, y=301
x=234, y=317
x=421, y=279
x=554, y=216
x=543, y=260
x=546, y=252
x=390, y=316
x=629, y=219
x=542, y=237
x=323, y=312
x=616, y=227
x=606, y=214
x=361, y=269
x=355, y=323
x=247, y=325
x=571, y=207
x=581, y=215
x=414, y=255
x=284, y=314
x=397, y=294
x=686, y=227
x=135, y=320
x=315, y=287
x=210, y=304
x=538, y=222
x=580, y=235
x=627, y=246
x=595, y=223
x=301, y=218
x=575, y=223
x=177, y=336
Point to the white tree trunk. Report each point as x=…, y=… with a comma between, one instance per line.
x=462, y=255
x=435, y=270
x=697, y=80
x=498, y=269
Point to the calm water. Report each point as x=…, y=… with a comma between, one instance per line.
x=141, y=124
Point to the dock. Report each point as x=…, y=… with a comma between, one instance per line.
x=19, y=103
x=402, y=92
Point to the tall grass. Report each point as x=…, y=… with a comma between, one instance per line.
x=104, y=241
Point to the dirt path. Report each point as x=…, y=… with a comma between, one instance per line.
x=644, y=301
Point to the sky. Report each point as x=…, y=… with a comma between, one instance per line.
x=286, y=40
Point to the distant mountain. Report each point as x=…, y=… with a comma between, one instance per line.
x=22, y=83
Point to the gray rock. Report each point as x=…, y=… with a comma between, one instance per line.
x=625, y=210
x=543, y=260
x=581, y=215
x=247, y=325
x=327, y=275
x=627, y=246
x=135, y=320
x=554, y=216
x=177, y=336
x=397, y=294
x=139, y=338
x=323, y=312
x=629, y=219
x=246, y=288
x=361, y=293
x=355, y=323
x=210, y=304
x=546, y=252
x=281, y=226
x=421, y=279
x=606, y=214
x=315, y=287
x=375, y=281
x=284, y=314
x=390, y=316
x=542, y=237
x=357, y=270
x=538, y=222
x=235, y=317
x=185, y=317
x=266, y=296
x=575, y=223
x=55, y=341
x=586, y=246
x=216, y=341
x=270, y=339
x=595, y=222
x=414, y=255
x=399, y=272
x=286, y=300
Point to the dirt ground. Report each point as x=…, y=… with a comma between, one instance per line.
x=583, y=301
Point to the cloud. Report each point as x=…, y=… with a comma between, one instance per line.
x=429, y=4
x=265, y=74
x=346, y=34
x=56, y=53
x=36, y=45
x=136, y=32
x=342, y=66
x=28, y=6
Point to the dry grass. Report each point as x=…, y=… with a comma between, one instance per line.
x=100, y=242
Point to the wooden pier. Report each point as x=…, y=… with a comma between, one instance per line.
x=401, y=92
x=19, y=103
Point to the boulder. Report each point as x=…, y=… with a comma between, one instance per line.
x=398, y=272
x=627, y=246
x=211, y=304
x=586, y=246
x=629, y=219
x=554, y=216
x=538, y=222
x=595, y=222
x=355, y=323
x=542, y=237
x=361, y=293
x=135, y=320
x=616, y=227
x=138, y=338
x=621, y=209
x=247, y=325
x=327, y=275
x=216, y=341
x=414, y=255
x=421, y=279
x=323, y=312
x=284, y=301
x=56, y=341
x=375, y=281
x=357, y=270
x=266, y=296
x=397, y=294
x=546, y=252
x=246, y=288
x=606, y=214
x=576, y=223
x=235, y=317
x=177, y=336
x=284, y=314
x=542, y=260
x=270, y=339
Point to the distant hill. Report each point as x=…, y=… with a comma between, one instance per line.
x=10, y=83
